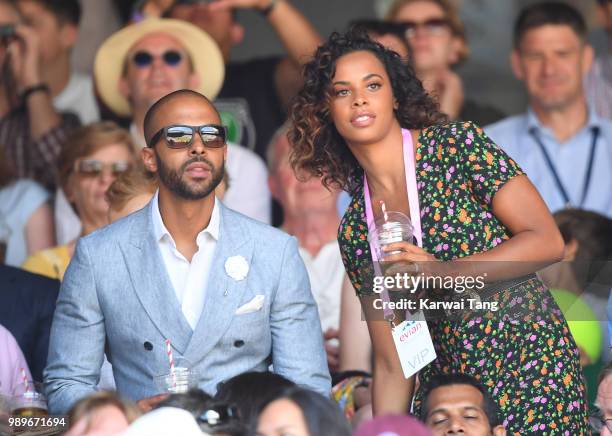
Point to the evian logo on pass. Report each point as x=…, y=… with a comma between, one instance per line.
x=414, y=346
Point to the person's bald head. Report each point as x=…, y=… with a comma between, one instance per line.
x=171, y=109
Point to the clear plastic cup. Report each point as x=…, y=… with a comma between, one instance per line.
x=182, y=380
x=29, y=402
x=396, y=228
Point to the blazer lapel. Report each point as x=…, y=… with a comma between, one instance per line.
x=151, y=282
x=223, y=293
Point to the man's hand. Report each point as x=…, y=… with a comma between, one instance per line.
x=25, y=57
x=332, y=350
x=146, y=404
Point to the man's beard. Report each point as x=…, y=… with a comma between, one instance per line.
x=173, y=179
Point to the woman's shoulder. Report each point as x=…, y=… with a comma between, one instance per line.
x=454, y=129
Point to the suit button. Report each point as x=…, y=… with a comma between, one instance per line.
x=239, y=343
x=148, y=346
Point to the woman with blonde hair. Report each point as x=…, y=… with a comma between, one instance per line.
x=92, y=158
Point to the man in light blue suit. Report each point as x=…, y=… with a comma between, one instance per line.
x=229, y=293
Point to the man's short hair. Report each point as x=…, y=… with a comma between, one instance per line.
x=488, y=404
x=549, y=13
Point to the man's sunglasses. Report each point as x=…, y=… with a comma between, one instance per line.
x=93, y=168
x=180, y=136
x=143, y=58
x=433, y=26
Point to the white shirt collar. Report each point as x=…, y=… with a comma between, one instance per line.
x=161, y=232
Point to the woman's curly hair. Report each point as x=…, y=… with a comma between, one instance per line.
x=318, y=148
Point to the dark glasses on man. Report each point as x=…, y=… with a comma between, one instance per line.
x=180, y=136
x=143, y=58
x=433, y=26
x=93, y=168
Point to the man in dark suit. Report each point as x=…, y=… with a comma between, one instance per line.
x=27, y=303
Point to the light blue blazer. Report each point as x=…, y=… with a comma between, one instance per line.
x=117, y=297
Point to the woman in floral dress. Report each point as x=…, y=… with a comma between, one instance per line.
x=359, y=109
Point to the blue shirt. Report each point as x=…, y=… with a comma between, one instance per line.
x=570, y=159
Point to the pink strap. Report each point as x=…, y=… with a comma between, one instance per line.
x=413, y=195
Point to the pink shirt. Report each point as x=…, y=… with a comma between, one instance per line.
x=11, y=362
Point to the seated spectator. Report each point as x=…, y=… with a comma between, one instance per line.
x=102, y=413
x=562, y=145
x=458, y=404
x=602, y=420
x=56, y=22
x=138, y=65
x=586, y=272
x=256, y=92
x=27, y=303
x=437, y=41
x=31, y=130
x=598, y=82
x=249, y=391
x=13, y=365
x=310, y=215
x=26, y=214
x=214, y=418
x=395, y=425
x=303, y=413
x=92, y=158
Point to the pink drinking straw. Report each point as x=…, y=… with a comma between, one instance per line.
x=383, y=206
x=24, y=378
x=171, y=360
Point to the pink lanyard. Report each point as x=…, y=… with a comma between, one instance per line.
x=413, y=195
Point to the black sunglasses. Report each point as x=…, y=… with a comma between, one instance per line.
x=143, y=58
x=181, y=136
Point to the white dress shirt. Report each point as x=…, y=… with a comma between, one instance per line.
x=515, y=135
x=326, y=271
x=189, y=279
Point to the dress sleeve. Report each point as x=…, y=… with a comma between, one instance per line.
x=484, y=164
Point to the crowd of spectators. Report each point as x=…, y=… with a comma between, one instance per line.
x=76, y=156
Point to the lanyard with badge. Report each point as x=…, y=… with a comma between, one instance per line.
x=411, y=337
x=555, y=174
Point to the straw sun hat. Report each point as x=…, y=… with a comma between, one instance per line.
x=201, y=48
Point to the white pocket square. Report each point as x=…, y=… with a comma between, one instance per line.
x=252, y=306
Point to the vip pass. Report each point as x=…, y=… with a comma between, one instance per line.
x=412, y=282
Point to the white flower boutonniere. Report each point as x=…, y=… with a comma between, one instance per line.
x=237, y=267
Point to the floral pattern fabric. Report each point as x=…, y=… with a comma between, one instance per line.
x=524, y=352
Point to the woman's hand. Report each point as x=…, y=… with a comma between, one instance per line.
x=412, y=259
